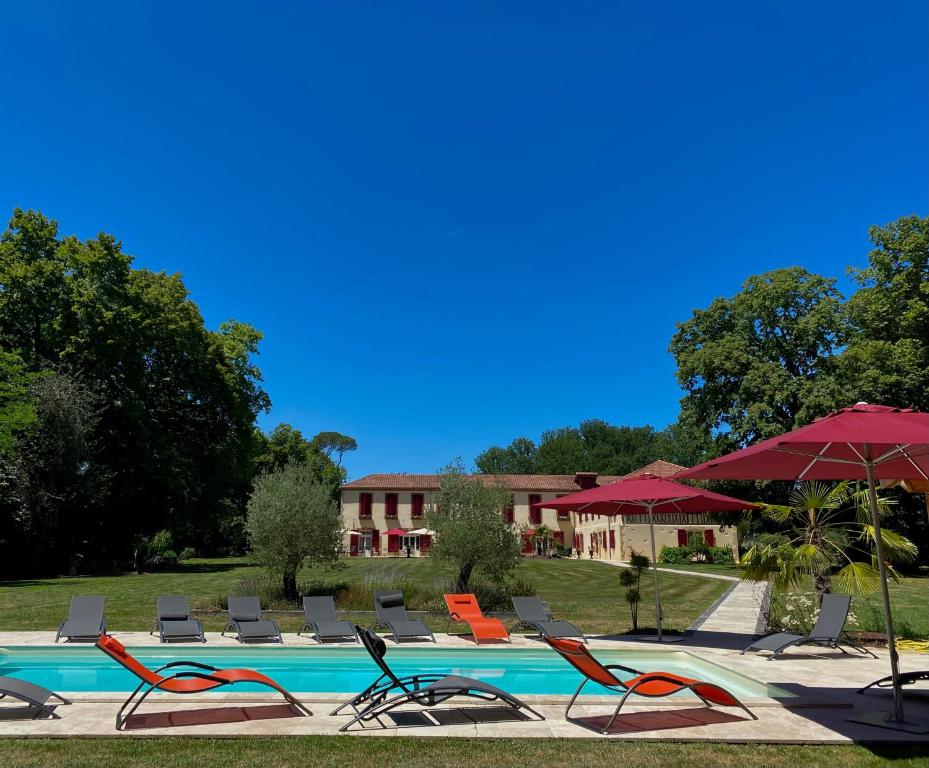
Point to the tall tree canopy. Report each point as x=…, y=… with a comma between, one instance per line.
x=764, y=361
x=887, y=358
x=286, y=445
x=593, y=446
x=172, y=441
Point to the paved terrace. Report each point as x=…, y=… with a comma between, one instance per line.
x=823, y=682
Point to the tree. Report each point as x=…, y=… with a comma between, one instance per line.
x=887, y=357
x=17, y=410
x=518, y=458
x=470, y=531
x=764, y=361
x=287, y=445
x=334, y=442
x=631, y=578
x=828, y=526
x=292, y=519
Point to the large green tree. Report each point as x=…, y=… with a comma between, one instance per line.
x=173, y=441
x=763, y=361
x=887, y=357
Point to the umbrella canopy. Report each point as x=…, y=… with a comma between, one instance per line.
x=836, y=447
x=421, y=532
x=396, y=532
x=645, y=495
x=862, y=442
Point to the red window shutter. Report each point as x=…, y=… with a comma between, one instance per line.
x=535, y=515
x=390, y=504
x=527, y=543
x=709, y=536
x=393, y=543
x=681, y=537
x=364, y=505
x=375, y=540
x=612, y=539
x=509, y=514
x=353, y=544
x=559, y=537
x=417, y=502
x=425, y=542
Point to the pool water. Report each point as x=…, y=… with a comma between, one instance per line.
x=350, y=669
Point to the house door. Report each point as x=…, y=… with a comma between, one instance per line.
x=409, y=544
x=364, y=543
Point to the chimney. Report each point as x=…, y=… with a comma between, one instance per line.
x=585, y=480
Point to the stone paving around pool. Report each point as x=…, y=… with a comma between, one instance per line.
x=823, y=683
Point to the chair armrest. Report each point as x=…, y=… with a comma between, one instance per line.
x=196, y=664
x=624, y=669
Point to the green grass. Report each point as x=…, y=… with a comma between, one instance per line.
x=585, y=592
x=347, y=752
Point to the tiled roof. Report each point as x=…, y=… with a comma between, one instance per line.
x=410, y=482
x=658, y=468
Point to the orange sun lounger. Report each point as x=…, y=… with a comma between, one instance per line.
x=464, y=609
x=649, y=684
x=197, y=678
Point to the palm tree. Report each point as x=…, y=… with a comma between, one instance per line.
x=829, y=525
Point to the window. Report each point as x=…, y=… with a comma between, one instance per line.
x=563, y=514
x=417, y=502
x=508, y=513
x=390, y=505
x=535, y=515
x=709, y=536
x=364, y=505
x=681, y=537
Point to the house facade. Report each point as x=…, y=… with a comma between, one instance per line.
x=384, y=515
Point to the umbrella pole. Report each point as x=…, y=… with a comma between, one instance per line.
x=651, y=533
x=897, y=714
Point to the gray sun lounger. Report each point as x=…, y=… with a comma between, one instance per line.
x=533, y=614
x=35, y=696
x=320, y=617
x=827, y=633
x=391, y=613
x=427, y=690
x=173, y=620
x=906, y=678
x=245, y=619
x=85, y=619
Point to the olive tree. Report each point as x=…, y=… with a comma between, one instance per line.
x=292, y=519
x=470, y=530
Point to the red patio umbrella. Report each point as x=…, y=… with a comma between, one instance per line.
x=646, y=495
x=863, y=442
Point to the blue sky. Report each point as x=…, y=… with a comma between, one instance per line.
x=426, y=206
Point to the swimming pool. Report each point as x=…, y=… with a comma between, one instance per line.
x=350, y=669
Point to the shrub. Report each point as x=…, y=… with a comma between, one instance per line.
x=674, y=555
x=186, y=554
x=721, y=555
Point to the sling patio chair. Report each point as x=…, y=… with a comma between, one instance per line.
x=35, y=696
x=320, y=616
x=391, y=613
x=389, y=691
x=173, y=620
x=245, y=619
x=533, y=613
x=648, y=684
x=464, y=609
x=827, y=633
x=906, y=678
x=85, y=619
x=196, y=678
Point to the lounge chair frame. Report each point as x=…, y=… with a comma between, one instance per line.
x=906, y=678
x=543, y=627
x=476, y=618
x=391, y=623
x=190, y=670
x=34, y=696
x=818, y=637
x=427, y=690
x=708, y=693
x=235, y=624
x=316, y=627
x=161, y=622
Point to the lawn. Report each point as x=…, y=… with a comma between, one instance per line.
x=585, y=592
x=347, y=752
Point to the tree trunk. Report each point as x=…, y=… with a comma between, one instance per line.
x=822, y=583
x=464, y=576
x=290, y=585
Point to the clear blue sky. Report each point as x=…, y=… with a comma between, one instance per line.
x=426, y=205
